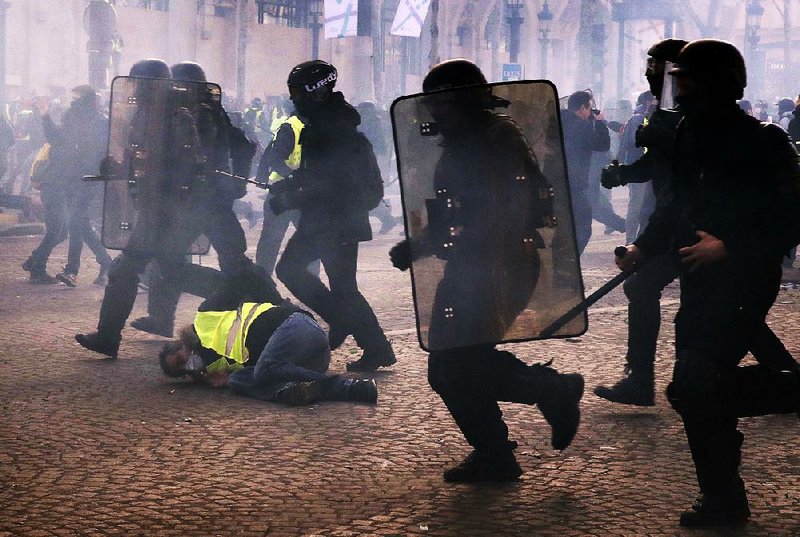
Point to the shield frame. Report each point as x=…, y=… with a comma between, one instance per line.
x=408, y=219
x=122, y=191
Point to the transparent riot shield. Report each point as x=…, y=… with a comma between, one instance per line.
x=488, y=214
x=155, y=166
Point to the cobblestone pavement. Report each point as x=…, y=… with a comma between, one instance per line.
x=99, y=447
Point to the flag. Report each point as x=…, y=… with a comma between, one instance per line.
x=341, y=18
x=410, y=17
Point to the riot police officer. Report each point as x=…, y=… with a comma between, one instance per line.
x=732, y=217
x=484, y=224
x=333, y=216
x=643, y=289
x=219, y=222
x=204, y=210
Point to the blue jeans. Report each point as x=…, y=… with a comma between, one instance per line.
x=298, y=351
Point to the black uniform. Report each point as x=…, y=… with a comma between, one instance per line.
x=643, y=289
x=739, y=181
x=334, y=219
x=209, y=212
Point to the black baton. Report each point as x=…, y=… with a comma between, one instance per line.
x=555, y=326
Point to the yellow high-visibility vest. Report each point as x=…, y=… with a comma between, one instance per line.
x=225, y=332
x=293, y=162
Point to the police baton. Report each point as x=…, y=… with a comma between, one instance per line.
x=582, y=306
x=252, y=181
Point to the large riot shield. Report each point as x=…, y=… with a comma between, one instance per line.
x=488, y=214
x=156, y=166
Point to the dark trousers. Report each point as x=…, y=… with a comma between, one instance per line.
x=643, y=290
x=472, y=380
x=272, y=234
x=342, y=305
x=225, y=233
x=80, y=231
x=55, y=222
x=722, y=312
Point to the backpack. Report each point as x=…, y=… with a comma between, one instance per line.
x=363, y=166
x=41, y=167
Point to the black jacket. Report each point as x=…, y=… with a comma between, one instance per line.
x=327, y=192
x=737, y=179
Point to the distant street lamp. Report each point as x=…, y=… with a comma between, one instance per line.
x=752, y=26
x=315, y=10
x=100, y=23
x=514, y=20
x=545, y=17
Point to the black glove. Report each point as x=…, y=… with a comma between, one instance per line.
x=611, y=176
x=281, y=202
x=400, y=254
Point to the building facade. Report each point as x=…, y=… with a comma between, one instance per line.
x=249, y=46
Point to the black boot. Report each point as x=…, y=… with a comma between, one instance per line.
x=363, y=391
x=558, y=399
x=500, y=465
x=99, y=343
x=633, y=389
x=720, y=509
x=151, y=325
x=372, y=359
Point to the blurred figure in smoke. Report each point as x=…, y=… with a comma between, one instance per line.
x=373, y=130
x=222, y=143
x=77, y=147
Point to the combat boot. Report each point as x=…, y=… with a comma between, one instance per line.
x=558, y=396
x=724, y=509
x=151, y=325
x=99, y=343
x=372, y=359
x=486, y=466
x=363, y=391
x=632, y=389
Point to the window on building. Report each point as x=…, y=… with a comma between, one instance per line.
x=290, y=13
x=224, y=8
x=155, y=5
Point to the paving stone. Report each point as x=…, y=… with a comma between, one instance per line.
x=99, y=447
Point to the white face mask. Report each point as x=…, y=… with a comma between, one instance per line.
x=195, y=364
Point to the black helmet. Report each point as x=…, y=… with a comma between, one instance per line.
x=188, y=72
x=454, y=73
x=667, y=50
x=716, y=63
x=150, y=68
x=313, y=76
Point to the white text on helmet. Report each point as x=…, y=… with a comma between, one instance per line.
x=324, y=82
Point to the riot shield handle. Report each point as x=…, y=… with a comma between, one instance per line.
x=579, y=308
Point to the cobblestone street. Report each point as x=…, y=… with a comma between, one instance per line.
x=101, y=447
